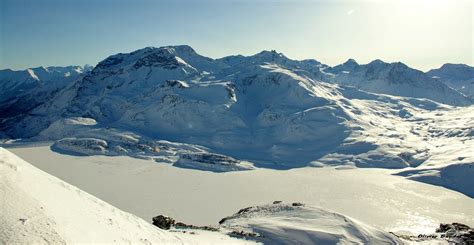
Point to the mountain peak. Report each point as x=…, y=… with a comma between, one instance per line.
x=377, y=62
x=400, y=65
x=186, y=49
x=347, y=66
x=351, y=62
x=269, y=54
x=454, y=72
x=452, y=65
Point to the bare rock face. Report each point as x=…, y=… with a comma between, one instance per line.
x=163, y=222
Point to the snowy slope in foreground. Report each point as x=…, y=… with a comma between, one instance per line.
x=295, y=223
x=39, y=208
x=373, y=196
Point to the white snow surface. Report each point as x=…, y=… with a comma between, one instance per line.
x=282, y=223
x=456, y=176
x=39, y=208
x=383, y=135
x=146, y=188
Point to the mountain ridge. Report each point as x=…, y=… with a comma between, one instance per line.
x=265, y=108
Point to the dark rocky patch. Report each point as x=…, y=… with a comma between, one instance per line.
x=163, y=222
x=243, y=234
x=160, y=58
x=210, y=158
x=181, y=225
x=297, y=204
x=244, y=210
x=111, y=61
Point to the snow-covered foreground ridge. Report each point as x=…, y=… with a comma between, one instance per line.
x=39, y=208
x=280, y=223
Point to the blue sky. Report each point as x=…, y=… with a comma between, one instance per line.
x=421, y=33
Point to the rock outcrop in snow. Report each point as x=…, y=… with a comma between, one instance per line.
x=83, y=136
x=111, y=142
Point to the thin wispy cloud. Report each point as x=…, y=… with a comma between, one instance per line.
x=352, y=11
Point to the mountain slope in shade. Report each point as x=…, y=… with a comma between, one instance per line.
x=40, y=208
x=15, y=83
x=22, y=91
x=395, y=79
x=457, y=76
x=265, y=108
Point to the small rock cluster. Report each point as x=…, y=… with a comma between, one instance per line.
x=181, y=225
x=165, y=223
x=243, y=234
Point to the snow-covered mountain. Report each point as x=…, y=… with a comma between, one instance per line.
x=237, y=113
x=457, y=76
x=15, y=83
x=266, y=109
x=23, y=90
x=395, y=79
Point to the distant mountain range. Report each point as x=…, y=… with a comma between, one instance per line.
x=376, y=76
x=265, y=108
x=396, y=79
x=21, y=91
